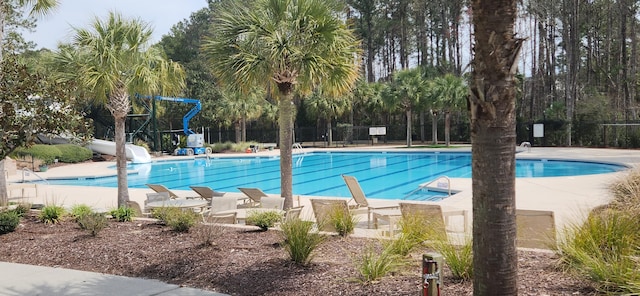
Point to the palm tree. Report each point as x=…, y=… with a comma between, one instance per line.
x=236, y=108
x=38, y=7
x=112, y=62
x=285, y=46
x=451, y=93
x=493, y=138
x=407, y=90
x=327, y=108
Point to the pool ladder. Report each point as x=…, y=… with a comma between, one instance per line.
x=443, y=183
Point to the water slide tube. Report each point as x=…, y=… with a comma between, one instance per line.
x=135, y=153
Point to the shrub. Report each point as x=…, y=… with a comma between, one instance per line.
x=459, y=258
x=9, y=220
x=343, y=221
x=70, y=153
x=299, y=240
x=21, y=209
x=206, y=234
x=626, y=191
x=418, y=231
x=92, y=222
x=46, y=153
x=605, y=248
x=164, y=214
x=122, y=214
x=182, y=221
x=401, y=245
x=51, y=214
x=79, y=210
x=264, y=220
x=221, y=147
x=375, y=264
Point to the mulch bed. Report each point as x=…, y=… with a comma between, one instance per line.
x=244, y=261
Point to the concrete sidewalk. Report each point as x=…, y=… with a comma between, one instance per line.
x=21, y=279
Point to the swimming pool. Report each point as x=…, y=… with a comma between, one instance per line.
x=385, y=175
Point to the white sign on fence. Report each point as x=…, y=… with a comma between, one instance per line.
x=538, y=130
x=377, y=131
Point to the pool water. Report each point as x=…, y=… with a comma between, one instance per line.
x=385, y=175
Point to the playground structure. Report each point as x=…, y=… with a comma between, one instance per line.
x=195, y=141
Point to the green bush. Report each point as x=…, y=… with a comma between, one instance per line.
x=164, y=214
x=221, y=147
x=51, y=214
x=459, y=258
x=300, y=240
x=343, y=221
x=92, y=222
x=401, y=245
x=605, y=248
x=122, y=214
x=375, y=264
x=79, y=210
x=46, y=153
x=207, y=233
x=21, y=209
x=70, y=153
x=626, y=191
x=9, y=220
x=176, y=218
x=264, y=220
x=182, y=221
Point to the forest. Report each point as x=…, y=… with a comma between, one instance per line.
x=578, y=75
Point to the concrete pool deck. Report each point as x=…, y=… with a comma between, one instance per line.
x=570, y=198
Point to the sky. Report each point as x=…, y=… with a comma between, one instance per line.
x=161, y=15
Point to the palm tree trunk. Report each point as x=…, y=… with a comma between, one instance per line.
x=237, y=131
x=408, y=127
x=329, y=133
x=434, y=127
x=447, y=128
x=422, y=137
x=121, y=161
x=285, y=121
x=243, y=126
x=493, y=135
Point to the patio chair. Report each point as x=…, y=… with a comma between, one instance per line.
x=429, y=214
x=162, y=188
x=206, y=192
x=255, y=194
x=228, y=218
x=293, y=213
x=272, y=202
x=324, y=208
x=535, y=229
x=360, y=199
x=220, y=204
x=155, y=196
x=136, y=208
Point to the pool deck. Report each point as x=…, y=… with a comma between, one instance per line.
x=569, y=197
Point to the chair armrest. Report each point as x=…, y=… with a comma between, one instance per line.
x=464, y=213
x=383, y=207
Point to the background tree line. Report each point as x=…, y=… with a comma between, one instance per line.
x=578, y=75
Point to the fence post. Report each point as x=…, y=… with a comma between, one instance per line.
x=431, y=275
